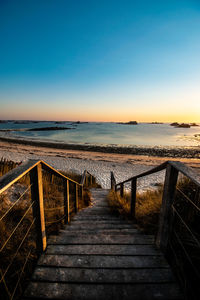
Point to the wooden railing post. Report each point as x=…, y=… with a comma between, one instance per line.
x=86, y=179
x=81, y=193
x=38, y=207
x=165, y=213
x=76, y=198
x=112, y=180
x=122, y=190
x=133, y=196
x=66, y=201
x=90, y=179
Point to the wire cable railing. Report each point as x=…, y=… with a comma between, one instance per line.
x=47, y=198
x=178, y=233
x=11, y=207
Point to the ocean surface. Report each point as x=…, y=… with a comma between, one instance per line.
x=142, y=134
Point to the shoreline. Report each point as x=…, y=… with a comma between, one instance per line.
x=170, y=152
x=99, y=164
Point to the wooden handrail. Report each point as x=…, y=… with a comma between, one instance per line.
x=34, y=169
x=57, y=173
x=172, y=170
x=177, y=165
x=154, y=170
x=84, y=178
x=185, y=170
x=17, y=173
x=168, y=237
x=67, y=186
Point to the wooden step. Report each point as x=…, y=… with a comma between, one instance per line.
x=103, y=249
x=63, y=291
x=96, y=217
x=102, y=220
x=92, y=226
x=99, y=261
x=101, y=239
x=98, y=256
x=100, y=231
x=78, y=275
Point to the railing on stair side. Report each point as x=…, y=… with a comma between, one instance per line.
x=34, y=171
x=178, y=233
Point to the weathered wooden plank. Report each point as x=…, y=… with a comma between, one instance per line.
x=83, y=177
x=152, y=171
x=91, y=226
x=104, y=224
x=51, y=170
x=103, y=249
x=110, y=261
x=88, y=214
x=121, y=190
x=100, y=221
x=15, y=174
x=102, y=205
x=98, y=218
x=97, y=210
x=187, y=171
x=102, y=239
x=103, y=275
x=102, y=291
x=133, y=196
x=112, y=180
x=76, y=199
x=66, y=201
x=108, y=216
x=95, y=213
x=167, y=200
x=100, y=231
x=38, y=207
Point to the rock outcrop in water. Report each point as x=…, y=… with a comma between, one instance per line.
x=49, y=128
x=128, y=123
x=193, y=124
x=183, y=125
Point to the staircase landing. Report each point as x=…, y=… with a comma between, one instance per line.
x=102, y=256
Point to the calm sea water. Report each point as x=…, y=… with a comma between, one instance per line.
x=142, y=134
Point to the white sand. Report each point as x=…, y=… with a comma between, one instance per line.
x=98, y=164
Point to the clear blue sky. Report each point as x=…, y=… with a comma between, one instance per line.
x=100, y=60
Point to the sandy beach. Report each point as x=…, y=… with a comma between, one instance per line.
x=97, y=163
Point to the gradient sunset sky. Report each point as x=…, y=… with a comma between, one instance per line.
x=96, y=60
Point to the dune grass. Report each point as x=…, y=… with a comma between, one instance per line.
x=147, y=208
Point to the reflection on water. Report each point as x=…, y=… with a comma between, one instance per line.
x=110, y=133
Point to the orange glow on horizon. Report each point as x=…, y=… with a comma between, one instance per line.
x=122, y=111
x=107, y=117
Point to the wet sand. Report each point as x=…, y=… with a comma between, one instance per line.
x=172, y=152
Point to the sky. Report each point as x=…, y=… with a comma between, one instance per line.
x=97, y=60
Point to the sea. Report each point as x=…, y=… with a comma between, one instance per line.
x=100, y=133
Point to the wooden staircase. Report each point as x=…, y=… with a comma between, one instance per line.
x=102, y=256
